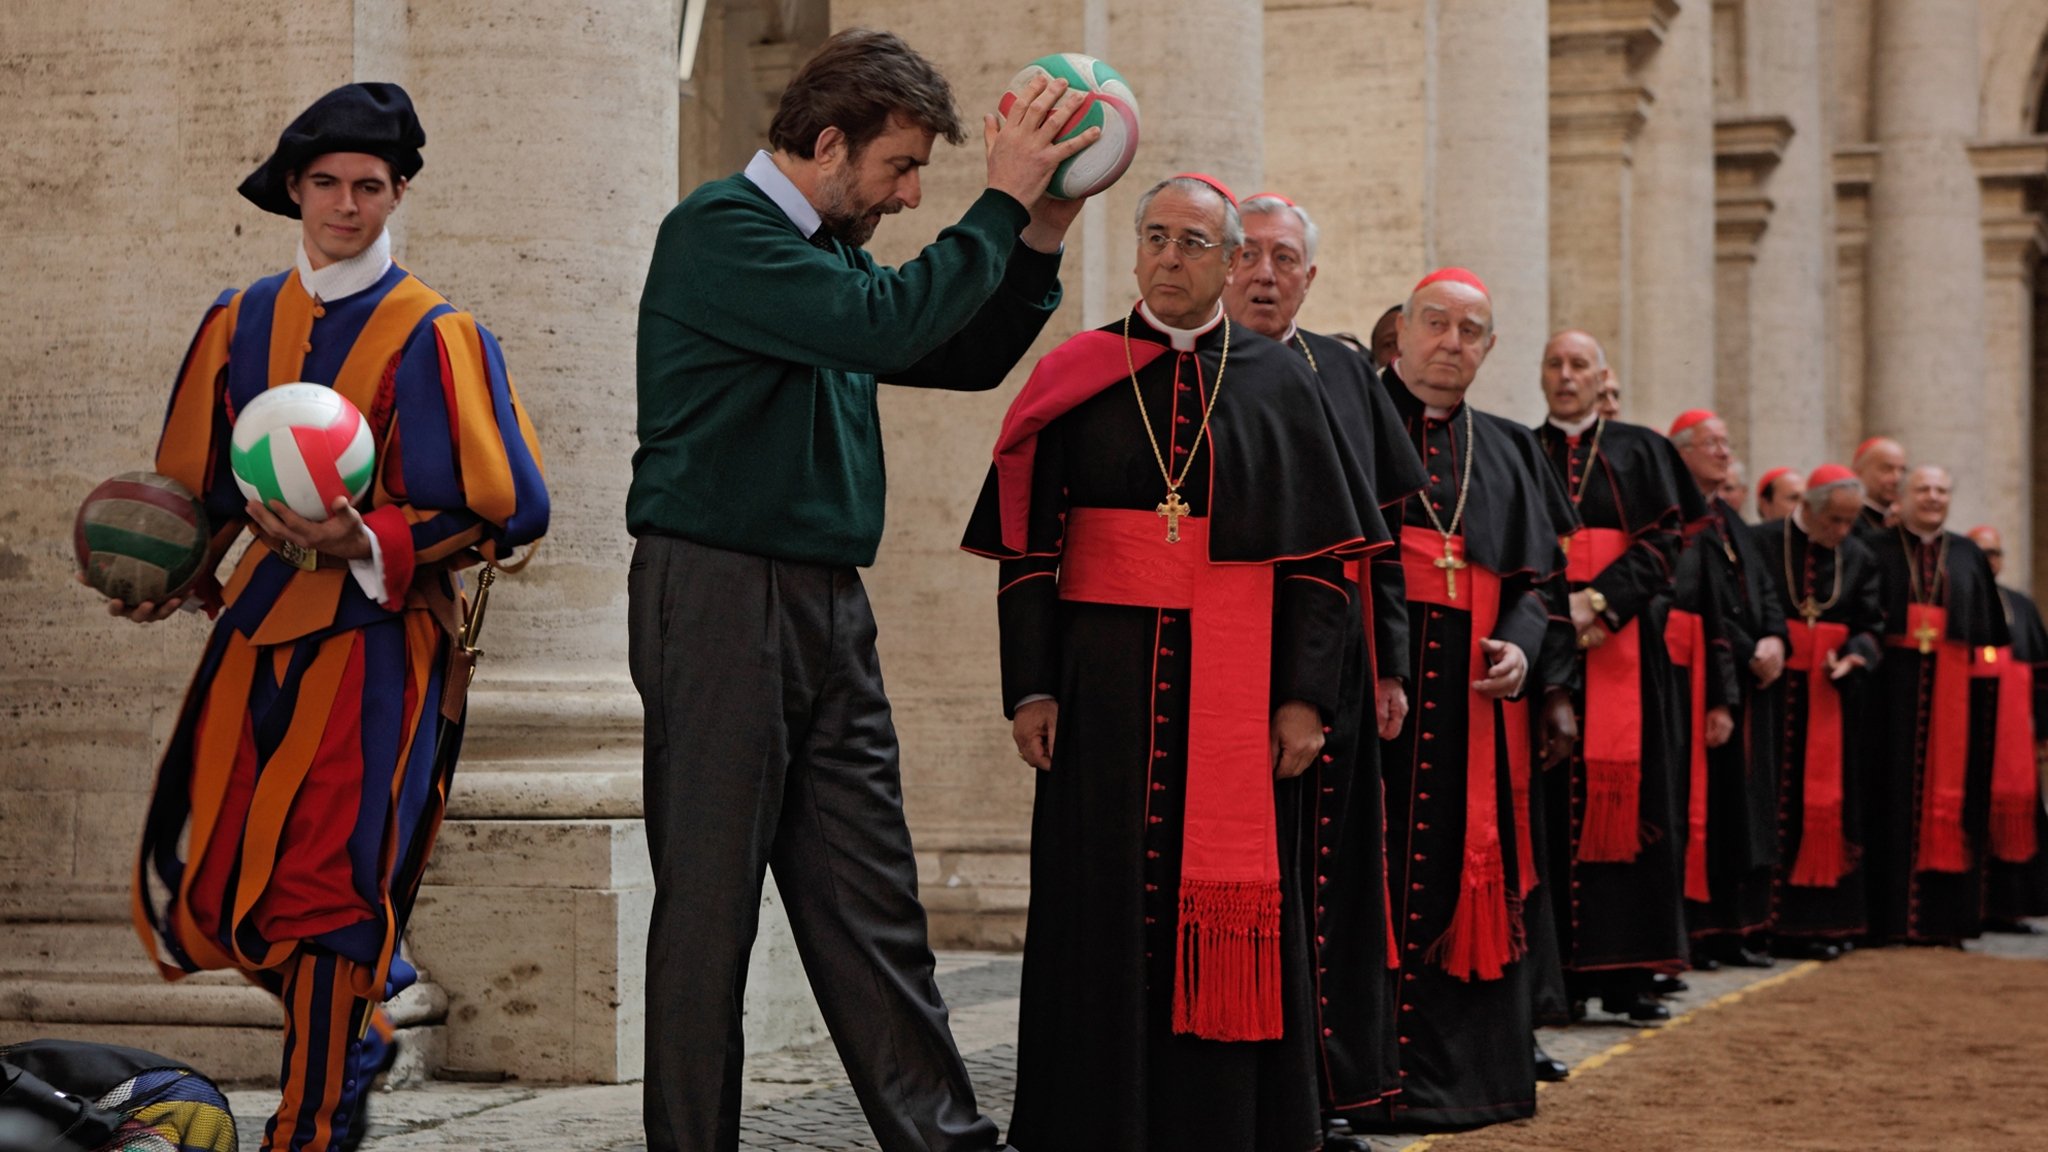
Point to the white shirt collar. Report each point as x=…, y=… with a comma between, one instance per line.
x=1799, y=518
x=1574, y=429
x=345, y=278
x=787, y=196
x=1183, y=338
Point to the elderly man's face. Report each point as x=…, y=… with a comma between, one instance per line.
x=1573, y=370
x=1180, y=288
x=1273, y=274
x=1832, y=522
x=344, y=198
x=1706, y=454
x=1993, y=545
x=1784, y=497
x=1881, y=467
x=1444, y=337
x=1735, y=487
x=1923, y=507
x=1607, y=398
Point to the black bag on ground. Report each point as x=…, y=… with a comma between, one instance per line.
x=67, y=1096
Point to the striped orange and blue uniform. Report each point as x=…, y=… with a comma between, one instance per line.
x=298, y=781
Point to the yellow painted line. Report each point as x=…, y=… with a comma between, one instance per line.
x=1626, y=1046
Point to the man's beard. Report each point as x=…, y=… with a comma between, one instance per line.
x=845, y=219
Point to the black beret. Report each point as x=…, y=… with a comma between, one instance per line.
x=376, y=119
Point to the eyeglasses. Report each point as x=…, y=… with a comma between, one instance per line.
x=1191, y=247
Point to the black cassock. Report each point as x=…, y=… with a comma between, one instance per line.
x=2013, y=891
x=1359, y=1062
x=1099, y=1068
x=1742, y=775
x=1464, y=1044
x=1907, y=903
x=1614, y=917
x=1800, y=571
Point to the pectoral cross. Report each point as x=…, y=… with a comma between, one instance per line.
x=1173, y=510
x=1450, y=565
x=1809, y=609
x=1926, y=635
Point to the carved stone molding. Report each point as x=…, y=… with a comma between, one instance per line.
x=1747, y=150
x=1598, y=102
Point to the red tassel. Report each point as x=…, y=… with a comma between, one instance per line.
x=1226, y=983
x=2013, y=832
x=1612, y=831
x=1941, y=838
x=1482, y=938
x=1823, y=856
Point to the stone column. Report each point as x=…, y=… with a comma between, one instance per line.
x=1490, y=208
x=1926, y=246
x=1598, y=105
x=1368, y=178
x=2012, y=175
x=1669, y=364
x=1746, y=150
x=115, y=262
x=1852, y=167
x=1791, y=360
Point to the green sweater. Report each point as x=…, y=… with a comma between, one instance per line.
x=759, y=352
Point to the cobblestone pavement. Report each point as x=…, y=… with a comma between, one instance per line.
x=798, y=1100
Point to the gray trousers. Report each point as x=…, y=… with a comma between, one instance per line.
x=769, y=744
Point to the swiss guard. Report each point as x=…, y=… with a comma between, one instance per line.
x=310, y=765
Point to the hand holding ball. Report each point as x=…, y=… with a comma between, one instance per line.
x=1107, y=103
x=305, y=445
x=140, y=538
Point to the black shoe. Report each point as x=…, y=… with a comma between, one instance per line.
x=1741, y=956
x=1642, y=1009
x=1576, y=1010
x=1338, y=1137
x=2011, y=927
x=1806, y=949
x=1662, y=985
x=1549, y=1069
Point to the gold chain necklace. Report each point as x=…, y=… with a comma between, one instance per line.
x=1939, y=585
x=1173, y=507
x=1807, y=607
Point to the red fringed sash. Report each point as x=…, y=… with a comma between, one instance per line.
x=1612, y=830
x=1485, y=935
x=1941, y=846
x=1226, y=983
x=1685, y=638
x=1823, y=849
x=2015, y=783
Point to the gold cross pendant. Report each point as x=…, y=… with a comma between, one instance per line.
x=1173, y=509
x=1809, y=609
x=1926, y=635
x=1451, y=565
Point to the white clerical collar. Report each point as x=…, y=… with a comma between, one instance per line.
x=1574, y=429
x=1293, y=330
x=1928, y=537
x=345, y=278
x=1183, y=338
x=1429, y=411
x=1878, y=509
x=1799, y=518
x=787, y=196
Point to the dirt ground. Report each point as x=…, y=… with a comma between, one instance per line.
x=1927, y=1050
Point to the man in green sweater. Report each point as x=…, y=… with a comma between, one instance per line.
x=757, y=494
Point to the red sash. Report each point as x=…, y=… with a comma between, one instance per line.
x=1612, y=830
x=2015, y=783
x=1226, y=983
x=1823, y=850
x=1685, y=638
x=1941, y=846
x=1484, y=934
